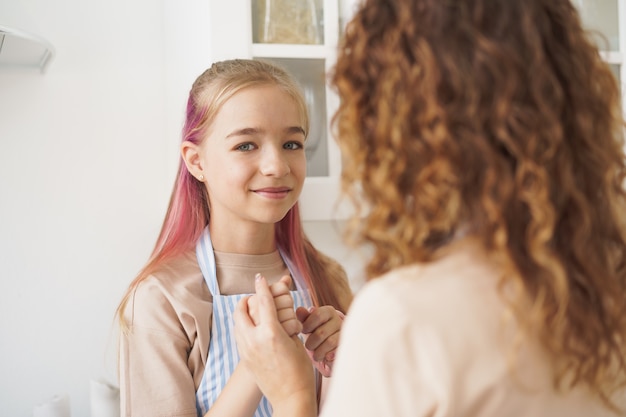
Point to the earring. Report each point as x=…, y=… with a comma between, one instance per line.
x=201, y=178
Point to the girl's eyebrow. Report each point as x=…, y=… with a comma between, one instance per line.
x=251, y=131
x=295, y=129
x=246, y=131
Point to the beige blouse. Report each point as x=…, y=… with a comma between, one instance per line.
x=433, y=340
x=162, y=357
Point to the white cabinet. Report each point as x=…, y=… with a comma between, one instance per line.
x=265, y=29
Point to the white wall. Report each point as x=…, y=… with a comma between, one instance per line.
x=84, y=179
x=87, y=160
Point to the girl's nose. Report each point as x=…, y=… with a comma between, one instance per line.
x=274, y=163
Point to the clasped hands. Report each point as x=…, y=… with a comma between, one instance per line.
x=319, y=325
x=267, y=329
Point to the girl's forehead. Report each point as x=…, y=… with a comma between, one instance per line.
x=260, y=105
x=265, y=95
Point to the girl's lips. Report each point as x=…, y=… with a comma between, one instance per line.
x=274, y=193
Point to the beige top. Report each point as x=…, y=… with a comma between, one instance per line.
x=431, y=341
x=162, y=358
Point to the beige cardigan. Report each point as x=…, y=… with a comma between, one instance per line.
x=432, y=341
x=162, y=358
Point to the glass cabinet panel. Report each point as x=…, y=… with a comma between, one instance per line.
x=616, y=71
x=288, y=21
x=601, y=16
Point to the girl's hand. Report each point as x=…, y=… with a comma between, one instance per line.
x=281, y=291
x=322, y=326
x=281, y=367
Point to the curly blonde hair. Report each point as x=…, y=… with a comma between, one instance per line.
x=499, y=117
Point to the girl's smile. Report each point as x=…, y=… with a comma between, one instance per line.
x=273, y=192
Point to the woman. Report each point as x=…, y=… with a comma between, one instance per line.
x=483, y=148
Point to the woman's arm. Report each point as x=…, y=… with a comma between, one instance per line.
x=240, y=396
x=280, y=364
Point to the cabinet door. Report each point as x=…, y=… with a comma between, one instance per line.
x=264, y=29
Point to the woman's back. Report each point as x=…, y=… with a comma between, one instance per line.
x=499, y=121
x=443, y=342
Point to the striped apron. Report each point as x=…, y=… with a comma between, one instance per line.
x=223, y=355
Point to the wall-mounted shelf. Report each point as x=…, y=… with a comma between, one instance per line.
x=19, y=49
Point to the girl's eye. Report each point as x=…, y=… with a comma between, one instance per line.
x=245, y=147
x=293, y=145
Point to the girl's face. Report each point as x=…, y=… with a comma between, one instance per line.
x=253, y=157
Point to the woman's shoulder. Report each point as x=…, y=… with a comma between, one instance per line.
x=446, y=310
x=461, y=272
x=459, y=287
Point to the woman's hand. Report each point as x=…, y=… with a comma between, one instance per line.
x=322, y=326
x=281, y=291
x=279, y=362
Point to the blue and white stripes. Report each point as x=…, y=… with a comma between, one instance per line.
x=223, y=356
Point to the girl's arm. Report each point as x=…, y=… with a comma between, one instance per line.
x=154, y=362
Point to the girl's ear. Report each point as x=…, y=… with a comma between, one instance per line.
x=191, y=155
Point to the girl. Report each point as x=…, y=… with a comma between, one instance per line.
x=233, y=214
x=484, y=142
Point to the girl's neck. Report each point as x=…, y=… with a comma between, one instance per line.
x=249, y=239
